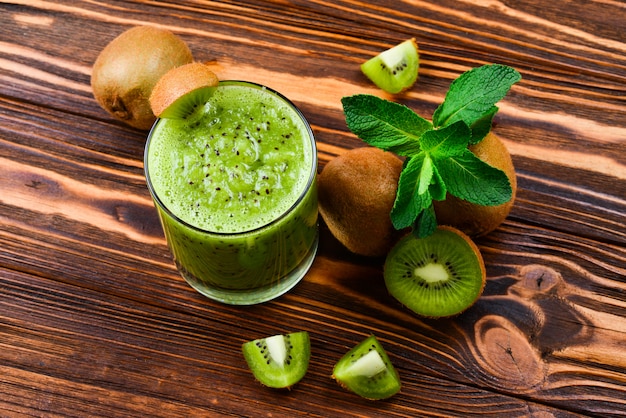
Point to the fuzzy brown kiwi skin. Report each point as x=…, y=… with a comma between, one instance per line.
x=127, y=69
x=356, y=192
x=476, y=220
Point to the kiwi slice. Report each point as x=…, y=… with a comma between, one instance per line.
x=437, y=276
x=181, y=90
x=367, y=371
x=279, y=361
x=395, y=69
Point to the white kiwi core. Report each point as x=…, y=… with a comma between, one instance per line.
x=432, y=273
x=277, y=348
x=393, y=56
x=369, y=365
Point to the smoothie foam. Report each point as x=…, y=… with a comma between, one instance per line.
x=235, y=166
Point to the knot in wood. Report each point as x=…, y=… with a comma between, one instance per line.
x=539, y=278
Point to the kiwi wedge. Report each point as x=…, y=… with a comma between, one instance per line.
x=394, y=69
x=127, y=69
x=279, y=361
x=367, y=371
x=183, y=89
x=437, y=276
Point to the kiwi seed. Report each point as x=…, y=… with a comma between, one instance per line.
x=356, y=192
x=127, y=69
x=181, y=90
x=476, y=220
x=437, y=276
x=395, y=69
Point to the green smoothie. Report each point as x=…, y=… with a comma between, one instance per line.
x=235, y=188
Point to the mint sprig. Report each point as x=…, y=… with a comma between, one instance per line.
x=472, y=98
x=438, y=160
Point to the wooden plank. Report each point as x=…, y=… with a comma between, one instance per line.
x=140, y=359
x=95, y=320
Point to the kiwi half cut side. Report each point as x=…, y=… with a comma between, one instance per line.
x=395, y=69
x=367, y=371
x=279, y=361
x=437, y=276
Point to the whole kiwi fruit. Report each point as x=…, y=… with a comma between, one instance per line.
x=476, y=220
x=356, y=192
x=127, y=69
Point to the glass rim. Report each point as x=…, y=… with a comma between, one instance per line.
x=285, y=213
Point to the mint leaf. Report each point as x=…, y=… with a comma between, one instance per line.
x=409, y=202
x=425, y=223
x=437, y=189
x=384, y=124
x=450, y=140
x=468, y=177
x=425, y=175
x=473, y=94
x=481, y=127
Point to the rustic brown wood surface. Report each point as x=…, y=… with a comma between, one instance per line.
x=95, y=320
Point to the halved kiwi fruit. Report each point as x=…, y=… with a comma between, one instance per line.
x=437, y=276
x=127, y=69
x=367, y=371
x=182, y=89
x=279, y=361
x=395, y=69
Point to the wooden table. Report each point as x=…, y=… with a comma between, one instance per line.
x=95, y=320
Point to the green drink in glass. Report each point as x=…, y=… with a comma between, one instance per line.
x=234, y=185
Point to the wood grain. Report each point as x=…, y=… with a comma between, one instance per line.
x=95, y=320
